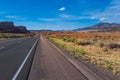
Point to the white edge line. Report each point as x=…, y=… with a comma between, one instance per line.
x=92, y=76
x=20, y=68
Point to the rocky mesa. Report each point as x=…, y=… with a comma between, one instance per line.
x=8, y=27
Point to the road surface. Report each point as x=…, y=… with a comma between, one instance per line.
x=49, y=64
x=12, y=54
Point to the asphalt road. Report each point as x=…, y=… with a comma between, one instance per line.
x=49, y=64
x=12, y=54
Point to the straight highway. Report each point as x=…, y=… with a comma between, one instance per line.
x=12, y=54
x=49, y=64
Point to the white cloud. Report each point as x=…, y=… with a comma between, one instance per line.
x=92, y=17
x=110, y=14
x=72, y=17
x=102, y=19
x=62, y=9
x=66, y=16
x=83, y=17
x=14, y=17
x=47, y=19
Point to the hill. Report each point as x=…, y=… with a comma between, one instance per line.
x=102, y=26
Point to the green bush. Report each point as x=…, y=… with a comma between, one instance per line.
x=81, y=51
x=100, y=44
x=83, y=43
x=108, y=65
x=64, y=39
x=69, y=39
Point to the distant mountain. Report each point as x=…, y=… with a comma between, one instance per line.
x=102, y=26
x=40, y=30
x=8, y=27
x=50, y=30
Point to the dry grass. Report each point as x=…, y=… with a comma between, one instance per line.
x=13, y=35
x=69, y=46
x=100, y=48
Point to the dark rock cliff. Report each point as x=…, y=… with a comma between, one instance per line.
x=8, y=27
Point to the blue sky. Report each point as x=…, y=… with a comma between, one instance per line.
x=59, y=14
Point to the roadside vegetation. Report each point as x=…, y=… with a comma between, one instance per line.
x=12, y=35
x=100, y=48
x=76, y=50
